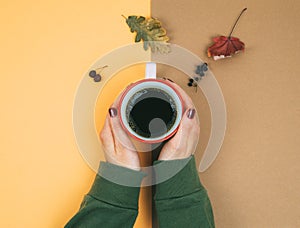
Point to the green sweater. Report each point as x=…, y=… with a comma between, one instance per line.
x=180, y=201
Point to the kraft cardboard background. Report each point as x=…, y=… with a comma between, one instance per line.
x=47, y=46
x=255, y=180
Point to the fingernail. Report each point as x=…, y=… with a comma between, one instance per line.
x=191, y=113
x=112, y=112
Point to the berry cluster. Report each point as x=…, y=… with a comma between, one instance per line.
x=200, y=71
x=95, y=74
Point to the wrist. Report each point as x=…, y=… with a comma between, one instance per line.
x=117, y=185
x=120, y=174
x=183, y=182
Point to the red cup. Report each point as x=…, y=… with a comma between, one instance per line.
x=137, y=89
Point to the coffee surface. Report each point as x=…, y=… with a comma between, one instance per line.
x=151, y=112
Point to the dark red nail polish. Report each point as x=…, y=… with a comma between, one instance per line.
x=112, y=112
x=191, y=113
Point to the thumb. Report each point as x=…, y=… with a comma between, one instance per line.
x=120, y=136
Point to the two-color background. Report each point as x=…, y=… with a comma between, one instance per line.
x=46, y=47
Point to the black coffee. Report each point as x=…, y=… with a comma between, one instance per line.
x=151, y=112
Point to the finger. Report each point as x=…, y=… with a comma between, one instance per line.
x=106, y=137
x=187, y=136
x=119, y=134
x=189, y=123
x=187, y=127
x=190, y=130
x=187, y=100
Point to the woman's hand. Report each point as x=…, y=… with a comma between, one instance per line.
x=119, y=149
x=117, y=146
x=184, y=142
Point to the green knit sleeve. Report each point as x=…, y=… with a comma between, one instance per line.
x=109, y=204
x=182, y=200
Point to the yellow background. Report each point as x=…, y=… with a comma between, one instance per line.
x=47, y=46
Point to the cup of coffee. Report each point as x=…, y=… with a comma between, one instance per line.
x=150, y=110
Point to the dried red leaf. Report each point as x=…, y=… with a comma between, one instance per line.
x=226, y=46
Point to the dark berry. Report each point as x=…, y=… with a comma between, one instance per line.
x=190, y=84
x=191, y=80
x=92, y=73
x=196, y=78
x=201, y=74
x=97, y=78
x=205, y=68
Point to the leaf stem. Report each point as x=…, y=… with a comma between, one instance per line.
x=237, y=21
x=101, y=68
x=124, y=17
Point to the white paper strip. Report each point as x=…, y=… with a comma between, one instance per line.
x=150, y=70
